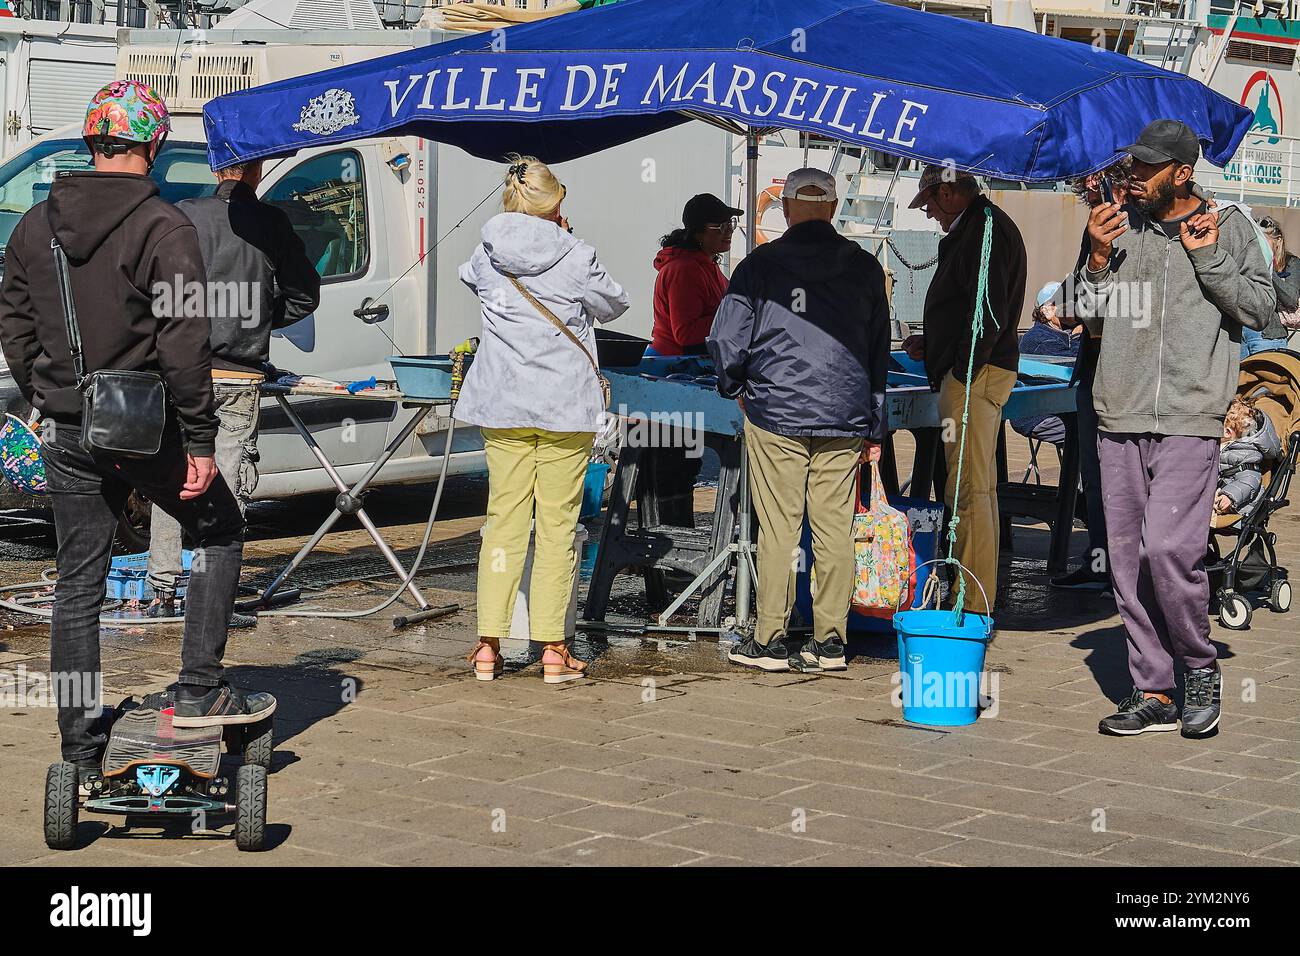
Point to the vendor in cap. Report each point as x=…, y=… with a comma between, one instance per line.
x=690, y=284
x=951, y=352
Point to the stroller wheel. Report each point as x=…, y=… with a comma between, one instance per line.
x=1234, y=611
x=1279, y=598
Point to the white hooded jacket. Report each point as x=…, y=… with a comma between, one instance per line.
x=526, y=373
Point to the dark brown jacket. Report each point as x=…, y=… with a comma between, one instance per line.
x=122, y=241
x=950, y=302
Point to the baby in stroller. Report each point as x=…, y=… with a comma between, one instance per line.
x=1249, y=443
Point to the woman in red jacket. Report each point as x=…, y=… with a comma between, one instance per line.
x=690, y=285
x=688, y=290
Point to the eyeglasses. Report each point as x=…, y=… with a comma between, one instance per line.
x=1268, y=222
x=728, y=226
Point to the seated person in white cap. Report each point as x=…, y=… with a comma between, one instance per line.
x=1052, y=334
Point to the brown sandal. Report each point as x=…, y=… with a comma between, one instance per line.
x=558, y=665
x=486, y=658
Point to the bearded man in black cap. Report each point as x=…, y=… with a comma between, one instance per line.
x=1169, y=283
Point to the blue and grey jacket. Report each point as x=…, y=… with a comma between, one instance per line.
x=802, y=336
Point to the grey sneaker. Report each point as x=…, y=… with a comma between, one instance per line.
x=1139, y=714
x=1203, y=693
x=219, y=706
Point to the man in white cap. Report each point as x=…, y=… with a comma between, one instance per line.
x=951, y=352
x=802, y=339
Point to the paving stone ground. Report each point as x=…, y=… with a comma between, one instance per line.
x=389, y=753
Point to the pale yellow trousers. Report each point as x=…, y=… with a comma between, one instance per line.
x=978, y=530
x=534, y=477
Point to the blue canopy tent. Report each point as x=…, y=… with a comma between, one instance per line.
x=994, y=100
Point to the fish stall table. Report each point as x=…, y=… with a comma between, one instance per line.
x=677, y=393
x=349, y=499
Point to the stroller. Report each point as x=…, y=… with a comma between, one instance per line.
x=1247, y=558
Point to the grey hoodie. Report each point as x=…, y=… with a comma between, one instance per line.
x=1170, y=325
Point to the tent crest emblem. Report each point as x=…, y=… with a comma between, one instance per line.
x=328, y=113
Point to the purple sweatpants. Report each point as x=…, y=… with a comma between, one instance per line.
x=1158, y=492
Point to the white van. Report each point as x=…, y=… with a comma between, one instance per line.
x=388, y=222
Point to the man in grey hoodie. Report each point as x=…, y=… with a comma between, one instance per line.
x=1168, y=284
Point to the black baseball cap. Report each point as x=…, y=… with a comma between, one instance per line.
x=707, y=209
x=1166, y=139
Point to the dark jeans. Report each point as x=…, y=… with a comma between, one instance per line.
x=88, y=496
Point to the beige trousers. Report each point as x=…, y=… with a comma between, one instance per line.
x=978, y=531
x=785, y=476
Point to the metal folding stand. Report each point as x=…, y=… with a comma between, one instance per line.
x=349, y=499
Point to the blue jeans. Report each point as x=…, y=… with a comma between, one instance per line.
x=1252, y=342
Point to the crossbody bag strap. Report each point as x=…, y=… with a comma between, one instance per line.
x=69, y=310
x=555, y=320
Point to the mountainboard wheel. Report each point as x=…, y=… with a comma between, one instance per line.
x=259, y=743
x=61, y=786
x=1234, y=611
x=1279, y=598
x=250, y=807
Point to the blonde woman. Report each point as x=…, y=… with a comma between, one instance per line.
x=534, y=391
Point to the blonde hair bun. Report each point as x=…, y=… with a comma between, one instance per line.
x=530, y=187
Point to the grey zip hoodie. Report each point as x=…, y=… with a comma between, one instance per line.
x=1170, y=325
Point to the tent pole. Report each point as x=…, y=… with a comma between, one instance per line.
x=744, y=583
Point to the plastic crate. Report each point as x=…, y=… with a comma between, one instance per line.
x=127, y=579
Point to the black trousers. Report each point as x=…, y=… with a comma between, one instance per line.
x=89, y=494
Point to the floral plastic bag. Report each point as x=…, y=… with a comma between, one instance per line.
x=882, y=552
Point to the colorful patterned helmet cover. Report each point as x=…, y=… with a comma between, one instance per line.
x=20, y=456
x=129, y=110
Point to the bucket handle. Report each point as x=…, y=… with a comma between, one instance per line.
x=988, y=618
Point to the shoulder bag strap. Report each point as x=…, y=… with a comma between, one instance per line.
x=555, y=320
x=69, y=310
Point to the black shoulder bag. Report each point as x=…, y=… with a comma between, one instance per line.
x=122, y=412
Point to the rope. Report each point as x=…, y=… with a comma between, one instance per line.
x=977, y=331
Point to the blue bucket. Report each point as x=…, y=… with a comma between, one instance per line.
x=941, y=661
x=593, y=490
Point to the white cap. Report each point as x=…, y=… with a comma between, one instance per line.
x=807, y=177
x=1047, y=292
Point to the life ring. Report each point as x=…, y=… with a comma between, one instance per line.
x=770, y=195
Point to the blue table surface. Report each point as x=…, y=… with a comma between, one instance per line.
x=647, y=392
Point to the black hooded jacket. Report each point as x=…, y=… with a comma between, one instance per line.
x=803, y=336
x=128, y=249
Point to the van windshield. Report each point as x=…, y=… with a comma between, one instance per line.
x=181, y=171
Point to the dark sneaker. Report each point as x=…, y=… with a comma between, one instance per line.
x=1082, y=578
x=219, y=706
x=1203, y=692
x=238, y=620
x=770, y=657
x=163, y=605
x=1139, y=714
x=815, y=655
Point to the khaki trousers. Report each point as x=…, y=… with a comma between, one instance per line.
x=535, y=478
x=785, y=475
x=978, y=530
